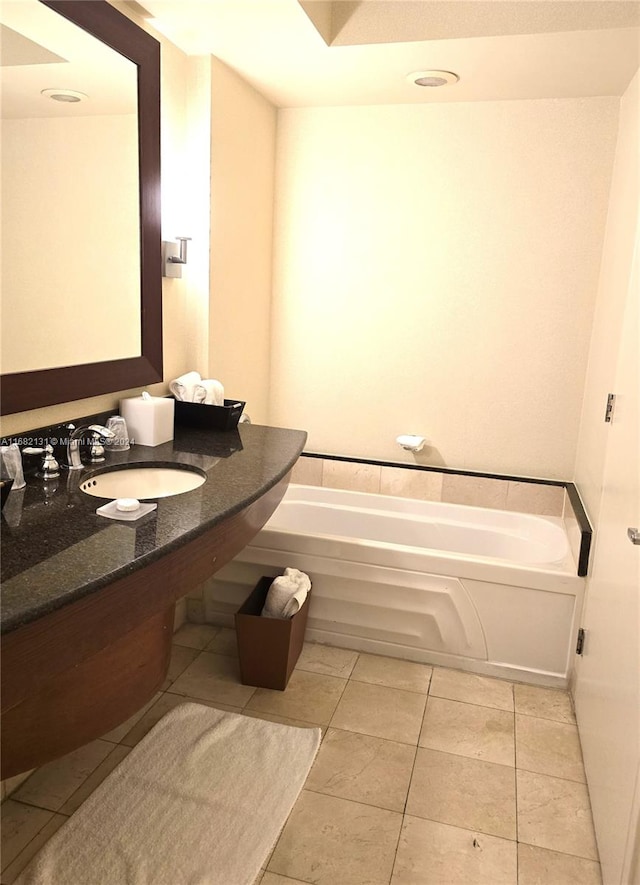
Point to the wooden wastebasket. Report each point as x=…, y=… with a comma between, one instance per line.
x=268, y=648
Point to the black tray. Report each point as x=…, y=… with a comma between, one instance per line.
x=209, y=417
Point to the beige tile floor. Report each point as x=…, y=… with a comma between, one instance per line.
x=425, y=776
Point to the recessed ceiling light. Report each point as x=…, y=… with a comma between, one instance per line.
x=68, y=95
x=433, y=78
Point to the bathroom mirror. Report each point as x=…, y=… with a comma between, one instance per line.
x=87, y=351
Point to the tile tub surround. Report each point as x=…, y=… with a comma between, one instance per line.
x=83, y=553
x=519, y=494
x=384, y=808
x=431, y=484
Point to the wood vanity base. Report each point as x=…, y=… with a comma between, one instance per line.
x=87, y=701
x=73, y=675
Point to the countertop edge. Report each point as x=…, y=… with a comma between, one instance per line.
x=13, y=622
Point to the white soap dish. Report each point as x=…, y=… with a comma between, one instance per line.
x=113, y=511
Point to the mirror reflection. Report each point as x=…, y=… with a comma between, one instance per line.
x=70, y=279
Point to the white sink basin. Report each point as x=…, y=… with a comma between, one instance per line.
x=143, y=482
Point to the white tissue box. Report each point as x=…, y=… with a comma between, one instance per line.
x=149, y=419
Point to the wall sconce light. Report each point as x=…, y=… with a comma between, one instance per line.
x=174, y=255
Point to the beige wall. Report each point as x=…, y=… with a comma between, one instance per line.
x=243, y=130
x=185, y=302
x=620, y=241
x=197, y=209
x=435, y=273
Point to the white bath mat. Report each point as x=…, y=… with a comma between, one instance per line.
x=199, y=801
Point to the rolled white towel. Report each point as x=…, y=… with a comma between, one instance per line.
x=301, y=579
x=210, y=391
x=278, y=596
x=295, y=603
x=183, y=388
x=286, y=594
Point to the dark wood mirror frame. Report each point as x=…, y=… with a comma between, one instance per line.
x=22, y=391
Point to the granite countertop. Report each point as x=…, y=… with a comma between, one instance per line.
x=56, y=549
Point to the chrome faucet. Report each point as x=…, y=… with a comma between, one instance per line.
x=73, y=446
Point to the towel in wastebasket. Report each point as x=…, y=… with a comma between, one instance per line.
x=286, y=594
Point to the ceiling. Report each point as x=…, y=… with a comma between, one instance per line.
x=303, y=53
x=40, y=49
x=350, y=52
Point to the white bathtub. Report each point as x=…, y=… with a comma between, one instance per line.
x=490, y=591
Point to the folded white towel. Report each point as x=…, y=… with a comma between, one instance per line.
x=183, y=388
x=286, y=595
x=11, y=459
x=209, y=391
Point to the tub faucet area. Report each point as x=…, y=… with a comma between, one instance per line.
x=411, y=442
x=74, y=462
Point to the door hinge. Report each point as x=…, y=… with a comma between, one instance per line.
x=608, y=412
x=580, y=642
